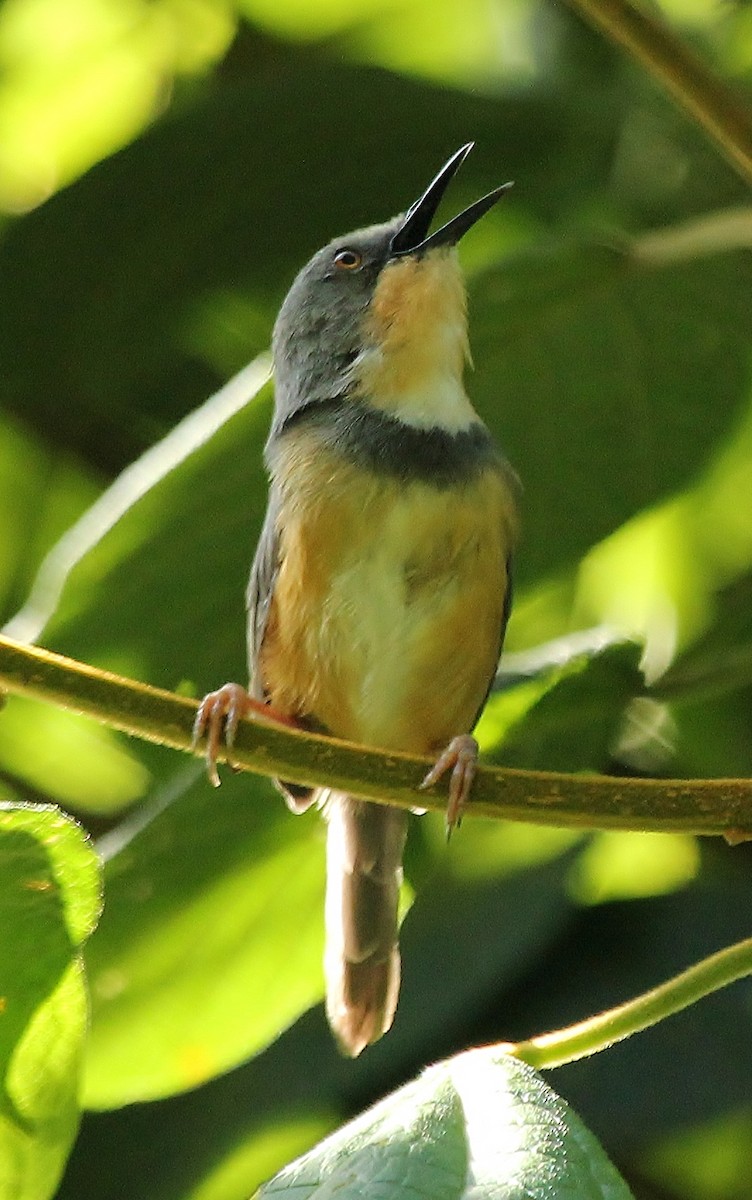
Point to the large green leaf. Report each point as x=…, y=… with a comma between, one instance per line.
x=599, y=957
x=610, y=380
x=210, y=943
x=49, y=903
x=481, y=1125
x=147, y=583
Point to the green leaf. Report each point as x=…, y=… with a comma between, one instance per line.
x=55, y=752
x=211, y=944
x=710, y=735
x=574, y=347
x=479, y=1125
x=49, y=903
x=258, y=1158
x=720, y=660
x=211, y=939
x=41, y=492
x=151, y=580
x=573, y=713
x=708, y=691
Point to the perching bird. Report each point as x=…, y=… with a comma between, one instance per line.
x=380, y=589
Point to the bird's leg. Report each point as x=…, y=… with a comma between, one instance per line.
x=461, y=758
x=218, y=716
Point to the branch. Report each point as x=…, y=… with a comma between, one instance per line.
x=686, y=78
x=600, y=1032
x=707, y=806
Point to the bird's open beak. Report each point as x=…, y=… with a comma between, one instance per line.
x=412, y=236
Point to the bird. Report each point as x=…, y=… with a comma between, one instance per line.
x=381, y=585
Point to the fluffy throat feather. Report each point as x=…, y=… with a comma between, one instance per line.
x=415, y=344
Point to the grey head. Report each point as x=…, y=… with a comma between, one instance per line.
x=319, y=332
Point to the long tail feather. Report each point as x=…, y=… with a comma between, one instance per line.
x=362, y=963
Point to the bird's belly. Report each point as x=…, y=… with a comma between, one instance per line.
x=387, y=610
x=416, y=657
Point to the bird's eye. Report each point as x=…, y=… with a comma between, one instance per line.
x=348, y=260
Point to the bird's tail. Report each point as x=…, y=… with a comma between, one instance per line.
x=361, y=962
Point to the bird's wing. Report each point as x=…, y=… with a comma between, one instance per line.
x=502, y=631
x=260, y=591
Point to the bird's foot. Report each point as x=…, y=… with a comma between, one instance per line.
x=461, y=758
x=218, y=716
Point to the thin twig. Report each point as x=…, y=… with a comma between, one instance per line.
x=599, y=1032
x=687, y=79
x=707, y=806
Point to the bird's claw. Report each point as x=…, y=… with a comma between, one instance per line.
x=217, y=719
x=461, y=758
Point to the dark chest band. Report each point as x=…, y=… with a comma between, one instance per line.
x=384, y=445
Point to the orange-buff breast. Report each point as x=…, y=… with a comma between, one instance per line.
x=387, y=608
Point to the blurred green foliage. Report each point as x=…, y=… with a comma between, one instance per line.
x=165, y=167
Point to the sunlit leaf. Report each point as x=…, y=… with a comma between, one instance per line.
x=709, y=691
x=210, y=943
x=66, y=757
x=49, y=902
x=480, y=1125
x=82, y=77
x=258, y=1158
x=624, y=865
